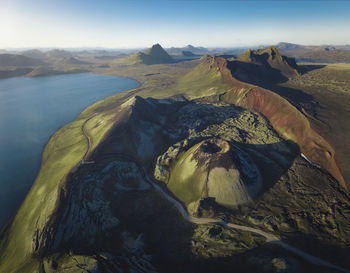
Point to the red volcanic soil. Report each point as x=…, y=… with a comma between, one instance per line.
x=283, y=116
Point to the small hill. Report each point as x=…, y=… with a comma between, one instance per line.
x=293, y=50
x=187, y=54
x=285, y=46
x=210, y=167
x=271, y=58
x=70, y=61
x=58, y=54
x=18, y=60
x=205, y=79
x=326, y=54
x=191, y=48
x=34, y=53
x=155, y=55
x=326, y=48
x=195, y=49
x=263, y=65
x=47, y=71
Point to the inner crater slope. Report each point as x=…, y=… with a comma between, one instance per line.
x=216, y=169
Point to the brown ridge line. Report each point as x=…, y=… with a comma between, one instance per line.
x=284, y=117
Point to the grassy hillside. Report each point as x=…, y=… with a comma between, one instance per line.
x=61, y=154
x=187, y=181
x=204, y=80
x=329, y=85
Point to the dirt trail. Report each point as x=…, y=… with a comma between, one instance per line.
x=88, y=140
x=270, y=238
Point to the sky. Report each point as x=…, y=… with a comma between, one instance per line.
x=138, y=24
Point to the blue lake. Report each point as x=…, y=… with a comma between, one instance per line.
x=31, y=110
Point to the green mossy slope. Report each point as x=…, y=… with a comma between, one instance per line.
x=61, y=155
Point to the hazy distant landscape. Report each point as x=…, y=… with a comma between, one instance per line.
x=202, y=136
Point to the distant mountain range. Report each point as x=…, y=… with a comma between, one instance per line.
x=52, y=54
x=327, y=53
x=190, y=48
x=158, y=55
x=290, y=46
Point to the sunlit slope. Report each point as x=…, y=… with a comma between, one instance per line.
x=204, y=80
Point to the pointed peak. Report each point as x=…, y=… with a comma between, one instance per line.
x=156, y=54
x=274, y=49
x=157, y=46
x=273, y=52
x=154, y=49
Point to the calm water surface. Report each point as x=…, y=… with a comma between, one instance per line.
x=31, y=110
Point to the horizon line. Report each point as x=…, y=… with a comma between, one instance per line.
x=143, y=47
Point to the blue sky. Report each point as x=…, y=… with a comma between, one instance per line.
x=135, y=24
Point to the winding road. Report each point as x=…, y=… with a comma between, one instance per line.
x=270, y=238
x=88, y=140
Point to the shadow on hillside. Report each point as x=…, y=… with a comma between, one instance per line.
x=255, y=73
x=270, y=78
x=310, y=67
x=183, y=117
x=185, y=59
x=145, y=216
x=168, y=237
x=298, y=98
x=273, y=160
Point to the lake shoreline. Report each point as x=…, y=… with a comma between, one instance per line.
x=7, y=223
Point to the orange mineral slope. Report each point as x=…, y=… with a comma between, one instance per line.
x=283, y=116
